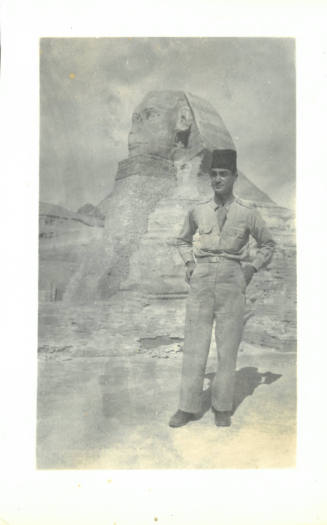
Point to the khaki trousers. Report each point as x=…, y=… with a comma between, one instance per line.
x=217, y=293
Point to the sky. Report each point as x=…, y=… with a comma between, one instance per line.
x=89, y=88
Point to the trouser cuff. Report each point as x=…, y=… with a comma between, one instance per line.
x=223, y=408
x=190, y=410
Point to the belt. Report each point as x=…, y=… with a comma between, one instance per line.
x=210, y=259
x=215, y=258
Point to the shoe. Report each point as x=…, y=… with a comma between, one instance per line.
x=222, y=418
x=181, y=418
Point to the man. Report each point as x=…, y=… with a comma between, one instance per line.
x=218, y=274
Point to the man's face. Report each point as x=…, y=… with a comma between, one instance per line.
x=222, y=181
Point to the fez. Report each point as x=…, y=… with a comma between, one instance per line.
x=224, y=159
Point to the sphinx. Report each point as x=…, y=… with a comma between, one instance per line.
x=172, y=136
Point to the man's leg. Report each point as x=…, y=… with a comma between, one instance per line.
x=197, y=338
x=228, y=332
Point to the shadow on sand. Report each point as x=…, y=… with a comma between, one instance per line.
x=247, y=379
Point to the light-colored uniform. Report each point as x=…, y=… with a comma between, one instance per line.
x=217, y=292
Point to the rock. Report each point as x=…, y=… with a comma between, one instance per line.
x=161, y=179
x=91, y=211
x=65, y=239
x=52, y=211
x=155, y=194
x=165, y=174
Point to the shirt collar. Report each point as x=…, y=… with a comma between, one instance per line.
x=227, y=204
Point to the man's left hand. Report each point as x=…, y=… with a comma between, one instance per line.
x=248, y=271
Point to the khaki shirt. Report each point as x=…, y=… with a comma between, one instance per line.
x=242, y=221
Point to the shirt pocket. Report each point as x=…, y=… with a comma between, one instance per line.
x=205, y=229
x=208, y=238
x=234, y=238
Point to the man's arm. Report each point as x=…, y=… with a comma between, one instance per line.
x=184, y=244
x=184, y=241
x=265, y=245
x=265, y=242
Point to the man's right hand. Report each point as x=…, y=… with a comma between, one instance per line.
x=190, y=265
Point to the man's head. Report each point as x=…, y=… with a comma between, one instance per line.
x=223, y=173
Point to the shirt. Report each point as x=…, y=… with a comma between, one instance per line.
x=232, y=241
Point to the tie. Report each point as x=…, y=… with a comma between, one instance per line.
x=221, y=216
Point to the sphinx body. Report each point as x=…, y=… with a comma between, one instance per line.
x=166, y=172
x=170, y=144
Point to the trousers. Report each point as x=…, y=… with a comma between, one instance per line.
x=216, y=295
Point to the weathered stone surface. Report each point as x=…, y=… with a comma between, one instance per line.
x=177, y=125
x=129, y=207
x=272, y=294
x=154, y=124
x=65, y=239
x=91, y=211
x=165, y=175
x=60, y=214
x=152, y=267
x=211, y=130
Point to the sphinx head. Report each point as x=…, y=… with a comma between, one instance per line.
x=161, y=124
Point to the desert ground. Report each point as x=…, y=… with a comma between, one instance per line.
x=104, y=402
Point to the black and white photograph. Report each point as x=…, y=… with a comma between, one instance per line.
x=167, y=334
